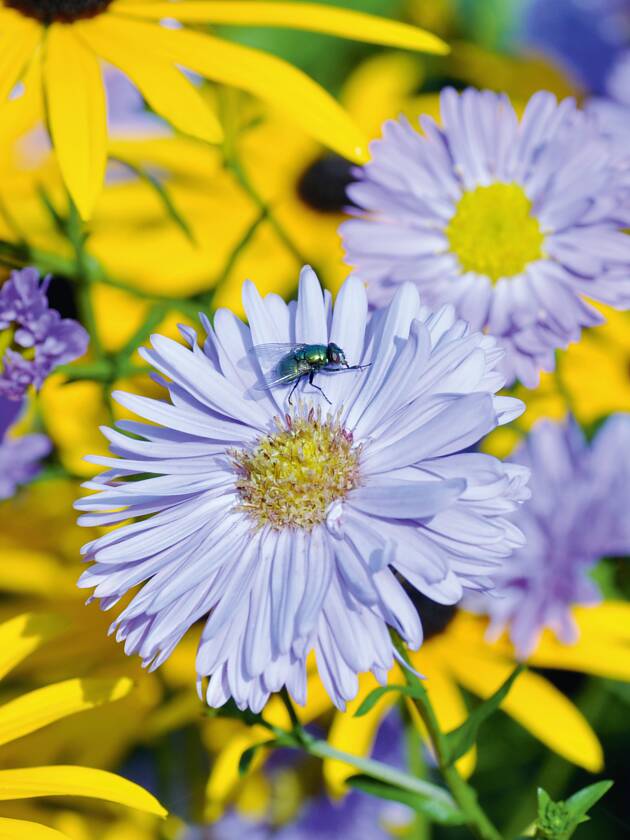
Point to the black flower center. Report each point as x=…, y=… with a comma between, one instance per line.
x=49, y=11
x=323, y=185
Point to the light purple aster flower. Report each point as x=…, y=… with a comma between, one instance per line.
x=577, y=515
x=512, y=222
x=19, y=456
x=48, y=339
x=289, y=525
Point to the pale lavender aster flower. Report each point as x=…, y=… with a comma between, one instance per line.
x=513, y=222
x=578, y=514
x=289, y=525
x=48, y=339
x=19, y=456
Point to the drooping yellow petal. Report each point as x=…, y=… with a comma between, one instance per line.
x=23, y=634
x=266, y=76
x=76, y=781
x=225, y=774
x=163, y=86
x=355, y=734
x=22, y=829
x=77, y=114
x=314, y=17
x=39, y=708
x=536, y=705
x=19, y=36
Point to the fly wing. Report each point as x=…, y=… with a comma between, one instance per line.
x=268, y=356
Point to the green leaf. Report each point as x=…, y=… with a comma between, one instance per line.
x=582, y=801
x=439, y=812
x=460, y=740
x=164, y=196
x=374, y=696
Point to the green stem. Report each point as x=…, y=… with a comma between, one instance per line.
x=463, y=794
x=420, y=827
x=380, y=771
x=239, y=173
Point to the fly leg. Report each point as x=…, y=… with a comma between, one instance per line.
x=310, y=382
x=297, y=381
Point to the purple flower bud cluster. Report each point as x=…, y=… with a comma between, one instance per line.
x=41, y=338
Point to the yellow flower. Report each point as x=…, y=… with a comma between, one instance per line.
x=461, y=657
x=19, y=637
x=66, y=38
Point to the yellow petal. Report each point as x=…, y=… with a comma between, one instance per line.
x=224, y=775
x=39, y=708
x=23, y=634
x=30, y=572
x=313, y=17
x=163, y=86
x=536, y=705
x=266, y=76
x=77, y=115
x=355, y=734
x=19, y=37
x=610, y=620
x=76, y=781
x=21, y=829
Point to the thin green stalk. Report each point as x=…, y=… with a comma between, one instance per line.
x=420, y=828
x=380, y=771
x=463, y=794
x=239, y=173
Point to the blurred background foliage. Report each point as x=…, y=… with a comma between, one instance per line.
x=177, y=229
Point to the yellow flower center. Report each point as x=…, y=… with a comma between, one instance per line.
x=64, y=11
x=293, y=476
x=493, y=231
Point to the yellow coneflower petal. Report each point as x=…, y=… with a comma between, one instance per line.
x=266, y=76
x=313, y=17
x=355, y=734
x=77, y=114
x=38, y=708
x=22, y=635
x=18, y=40
x=163, y=86
x=537, y=706
x=610, y=619
x=76, y=781
x=20, y=829
x=225, y=769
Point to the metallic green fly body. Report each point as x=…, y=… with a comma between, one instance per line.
x=285, y=363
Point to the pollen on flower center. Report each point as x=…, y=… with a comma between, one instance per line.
x=293, y=476
x=493, y=231
x=64, y=11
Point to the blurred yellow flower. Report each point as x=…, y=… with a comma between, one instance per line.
x=461, y=656
x=19, y=637
x=66, y=39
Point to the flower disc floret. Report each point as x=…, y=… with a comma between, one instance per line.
x=292, y=477
x=493, y=231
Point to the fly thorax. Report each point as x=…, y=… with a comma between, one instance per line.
x=292, y=476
